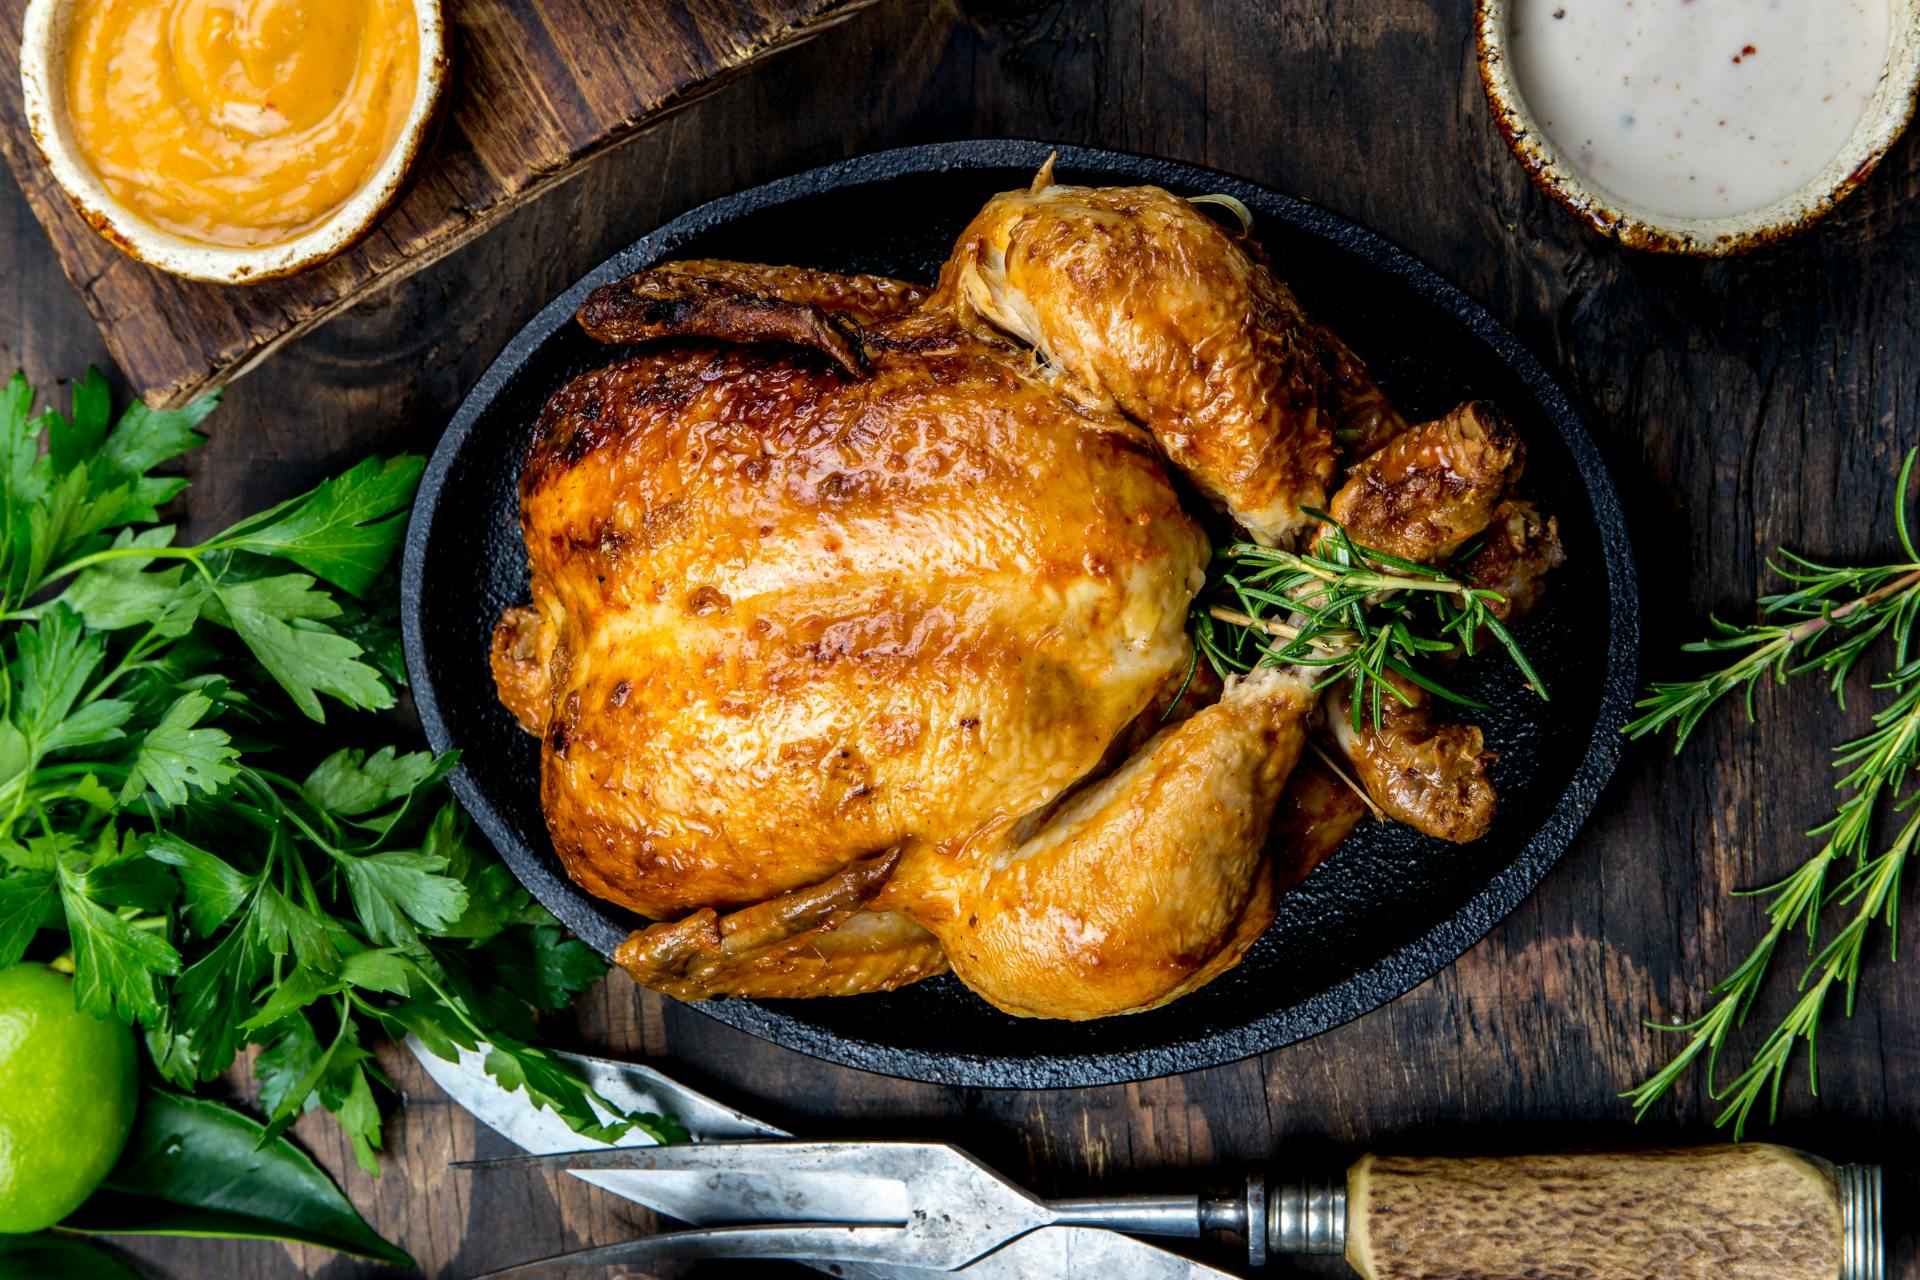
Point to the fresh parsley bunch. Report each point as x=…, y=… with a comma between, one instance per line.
x=161, y=803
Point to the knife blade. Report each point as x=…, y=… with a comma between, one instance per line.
x=1071, y=1253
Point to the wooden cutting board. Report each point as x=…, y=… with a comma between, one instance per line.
x=539, y=88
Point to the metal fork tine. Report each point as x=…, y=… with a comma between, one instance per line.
x=816, y=1243
x=767, y=1157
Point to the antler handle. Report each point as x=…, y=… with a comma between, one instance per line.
x=1746, y=1212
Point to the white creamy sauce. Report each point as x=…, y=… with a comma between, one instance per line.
x=1699, y=108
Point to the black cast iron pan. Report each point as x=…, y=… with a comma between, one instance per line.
x=1385, y=913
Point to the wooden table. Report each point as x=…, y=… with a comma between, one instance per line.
x=1741, y=405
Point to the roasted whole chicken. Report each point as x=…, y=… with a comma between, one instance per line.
x=858, y=644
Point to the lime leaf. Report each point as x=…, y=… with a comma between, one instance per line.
x=345, y=530
x=196, y=1168
x=44, y=1254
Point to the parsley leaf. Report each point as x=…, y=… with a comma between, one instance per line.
x=515, y=1065
x=350, y=783
x=115, y=960
x=53, y=663
x=214, y=889
x=211, y=1001
x=175, y=756
x=286, y=929
x=392, y=892
x=276, y=618
x=24, y=900
x=144, y=438
x=345, y=531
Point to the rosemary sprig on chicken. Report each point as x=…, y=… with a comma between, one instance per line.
x=1358, y=612
x=1825, y=622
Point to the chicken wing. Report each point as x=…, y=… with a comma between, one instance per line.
x=741, y=302
x=1518, y=550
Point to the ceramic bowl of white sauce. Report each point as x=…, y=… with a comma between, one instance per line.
x=1705, y=127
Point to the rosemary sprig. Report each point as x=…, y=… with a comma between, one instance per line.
x=1824, y=622
x=1359, y=613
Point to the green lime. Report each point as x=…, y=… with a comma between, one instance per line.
x=68, y=1086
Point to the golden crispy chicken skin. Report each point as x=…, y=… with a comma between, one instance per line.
x=1139, y=888
x=820, y=940
x=1430, y=488
x=801, y=617
x=858, y=610
x=1518, y=550
x=1425, y=771
x=1153, y=307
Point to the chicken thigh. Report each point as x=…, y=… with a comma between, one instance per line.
x=849, y=600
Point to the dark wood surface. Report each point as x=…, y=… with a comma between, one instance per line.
x=1741, y=404
x=539, y=88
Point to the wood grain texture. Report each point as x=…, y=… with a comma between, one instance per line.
x=1751, y=1212
x=539, y=88
x=1741, y=404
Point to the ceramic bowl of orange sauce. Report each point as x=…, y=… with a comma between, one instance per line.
x=1704, y=127
x=232, y=140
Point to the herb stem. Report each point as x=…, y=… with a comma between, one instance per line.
x=1331, y=641
x=109, y=554
x=1814, y=626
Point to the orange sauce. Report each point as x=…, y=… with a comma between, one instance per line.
x=239, y=122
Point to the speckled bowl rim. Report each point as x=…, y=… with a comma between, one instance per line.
x=43, y=82
x=1888, y=113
